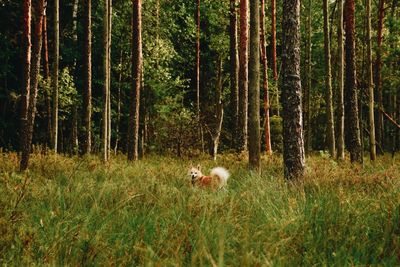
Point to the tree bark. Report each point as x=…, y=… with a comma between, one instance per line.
x=87, y=78
x=117, y=124
x=372, y=144
x=234, y=68
x=267, y=134
x=330, y=134
x=293, y=143
x=46, y=73
x=378, y=78
x=340, y=118
x=74, y=135
x=307, y=87
x=37, y=47
x=243, y=76
x=27, y=13
x=219, y=110
x=134, y=105
x=109, y=35
x=273, y=39
x=254, y=87
x=198, y=58
x=351, y=104
x=54, y=79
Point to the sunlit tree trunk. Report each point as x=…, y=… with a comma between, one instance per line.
x=340, y=104
x=274, y=61
x=74, y=135
x=243, y=76
x=254, y=87
x=352, y=126
x=378, y=78
x=234, y=68
x=27, y=13
x=372, y=145
x=87, y=78
x=307, y=87
x=134, y=105
x=54, y=79
x=330, y=134
x=267, y=134
x=293, y=143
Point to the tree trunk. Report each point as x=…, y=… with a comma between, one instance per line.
x=54, y=79
x=37, y=47
x=26, y=76
x=273, y=39
x=340, y=118
x=372, y=144
x=109, y=35
x=330, y=134
x=254, y=87
x=243, y=76
x=219, y=110
x=46, y=71
x=107, y=78
x=307, y=88
x=134, y=105
x=267, y=133
x=74, y=135
x=87, y=78
x=234, y=68
x=198, y=59
x=353, y=141
x=121, y=61
x=378, y=78
x=293, y=143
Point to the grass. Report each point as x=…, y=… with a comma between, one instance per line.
x=72, y=211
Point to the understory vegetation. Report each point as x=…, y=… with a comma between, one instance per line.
x=80, y=211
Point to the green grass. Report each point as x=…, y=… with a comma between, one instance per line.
x=76, y=211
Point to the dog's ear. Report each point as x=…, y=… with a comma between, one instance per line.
x=199, y=167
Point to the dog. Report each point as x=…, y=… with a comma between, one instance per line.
x=217, y=179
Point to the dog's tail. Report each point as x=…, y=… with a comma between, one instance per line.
x=222, y=174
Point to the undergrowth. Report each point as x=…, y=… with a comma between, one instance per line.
x=79, y=211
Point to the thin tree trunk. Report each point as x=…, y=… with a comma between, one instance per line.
x=266, y=105
x=372, y=144
x=307, y=88
x=74, y=135
x=87, y=78
x=330, y=135
x=106, y=88
x=27, y=13
x=54, y=79
x=254, y=88
x=378, y=79
x=134, y=105
x=351, y=104
x=243, y=76
x=37, y=47
x=219, y=110
x=109, y=35
x=46, y=70
x=340, y=140
x=117, y=124
x=293, y=143
x=273, y=39
x=234, y=68
x=198, y=59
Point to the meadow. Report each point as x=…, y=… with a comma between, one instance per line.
x=79, y=211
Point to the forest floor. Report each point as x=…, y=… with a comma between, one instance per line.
x=74, y=211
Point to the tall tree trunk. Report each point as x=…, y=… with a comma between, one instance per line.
x=117, y=124
x=87, y=78
x=234, y=68
x=307, y=88
x=273, y=39
x=27, y=13
x=219, y=110
x=74, y=135
x=54, y=79
x=134, y=105
x=267, y=133
x=46, y=70
x=254, y=87
x=293, y=143
x=378, y=78
x=107, y=78
x=353, y=141
x=330, y=135
x=372, y=144
x=198, y=58
x=340, y=105
x=37, y=47
x=109, y=35
x=243, y=76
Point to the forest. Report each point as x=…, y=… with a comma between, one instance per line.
x=106, y=106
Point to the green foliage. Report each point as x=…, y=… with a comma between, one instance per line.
x=276, y=133
x=80, y=212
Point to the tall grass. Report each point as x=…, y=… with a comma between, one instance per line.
x=73, y=211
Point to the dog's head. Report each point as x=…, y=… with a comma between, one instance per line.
x=195, y=173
